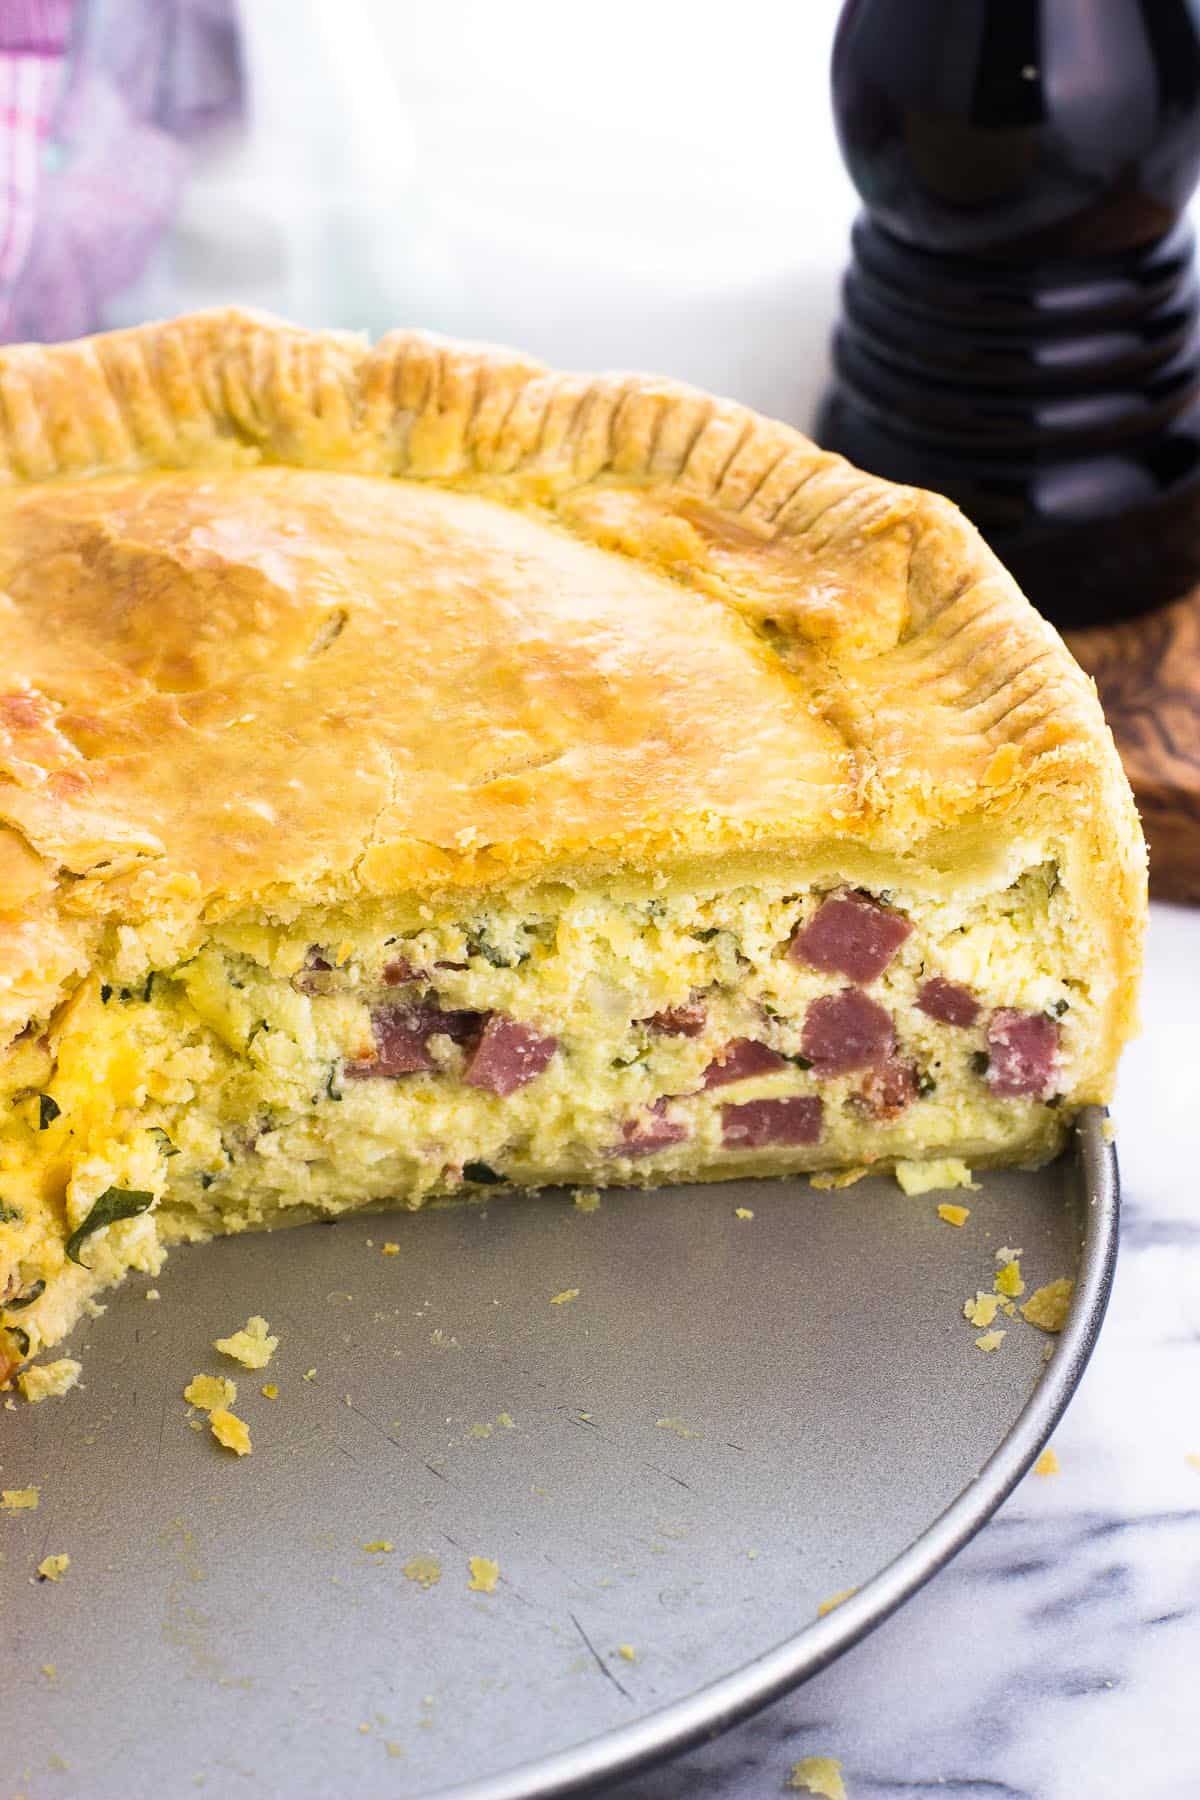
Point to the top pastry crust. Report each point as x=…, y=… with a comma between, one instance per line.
x=285, y=619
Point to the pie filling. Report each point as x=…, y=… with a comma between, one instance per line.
x=562, y=1036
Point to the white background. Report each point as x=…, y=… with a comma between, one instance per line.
x=645, y=184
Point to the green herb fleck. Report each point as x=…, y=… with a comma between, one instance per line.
x=926, y=1085
x=801, y=1062
x=105, y=994
x=332, y=1092
x=478, y=945
x=708, y=934
x=1060, y=1007
x=168, y=1148
x=258, y=1025
x=22, y=1338
x=981, y=1062
x=481, y=1172
x=10, y=1215
x=206, y=1180
x=27, y=1298
x=149, y=987
x=48, y=1110
x=113, y=1204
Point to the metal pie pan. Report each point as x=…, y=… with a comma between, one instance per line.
x=732, y=1420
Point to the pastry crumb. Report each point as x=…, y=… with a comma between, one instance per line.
x=1192, y=1459
x=507, y=1421
x=50, y=1671
x=1008, y=1280
x=20, y=1499
x=230, y=1431
x=586, y=1200
x=252, y=1346
x=390, y=1249
x=152, y=1294
x=210, y=1391
x=565, y=1298
x=1047, y=1307
x=927, y=1177
x=837, y=1178
x=44, y=1381
x=835, y=1600
x=982, y=1310
x=53, y=1568
x=991, y=1340
x=953, y=1215
x=484, y=1574
x=309, y=1375
x=1047, y=1463
x=743, y=1212
x=678, y=1427
x=482, y=1431
x=269, y=1391
x=821, y=1775
x=426, y=1571
x=627, y=1652
x=380, y=1547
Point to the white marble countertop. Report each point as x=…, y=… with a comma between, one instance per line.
x=629, y=188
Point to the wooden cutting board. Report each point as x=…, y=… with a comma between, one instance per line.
x=1148, y=672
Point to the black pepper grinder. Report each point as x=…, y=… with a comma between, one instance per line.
x=1020, y=325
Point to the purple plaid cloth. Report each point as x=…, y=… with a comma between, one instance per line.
x=101, y=105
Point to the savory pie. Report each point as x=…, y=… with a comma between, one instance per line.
x=420, y=771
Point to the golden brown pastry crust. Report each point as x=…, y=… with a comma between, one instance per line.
x=284, y=617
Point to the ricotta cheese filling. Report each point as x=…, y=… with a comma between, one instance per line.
x=558, y=1036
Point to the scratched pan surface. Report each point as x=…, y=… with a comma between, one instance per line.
x=732, y=1420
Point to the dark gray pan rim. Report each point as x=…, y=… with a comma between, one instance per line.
x=723, y=1703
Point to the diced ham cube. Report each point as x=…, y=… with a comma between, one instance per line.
x=649, y=1132
x=886, y=1091
x=948, y=1001
x=458, y=1025
x=1022, y=1053
x=687, y=1020
x=400, y=1039
x=739, y=1059
x=758, y=1123
x=850, y=935
x=402, y=1035
x=846, y=1031
x=508, y=1055
x=310, y=979
x=398, y=972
